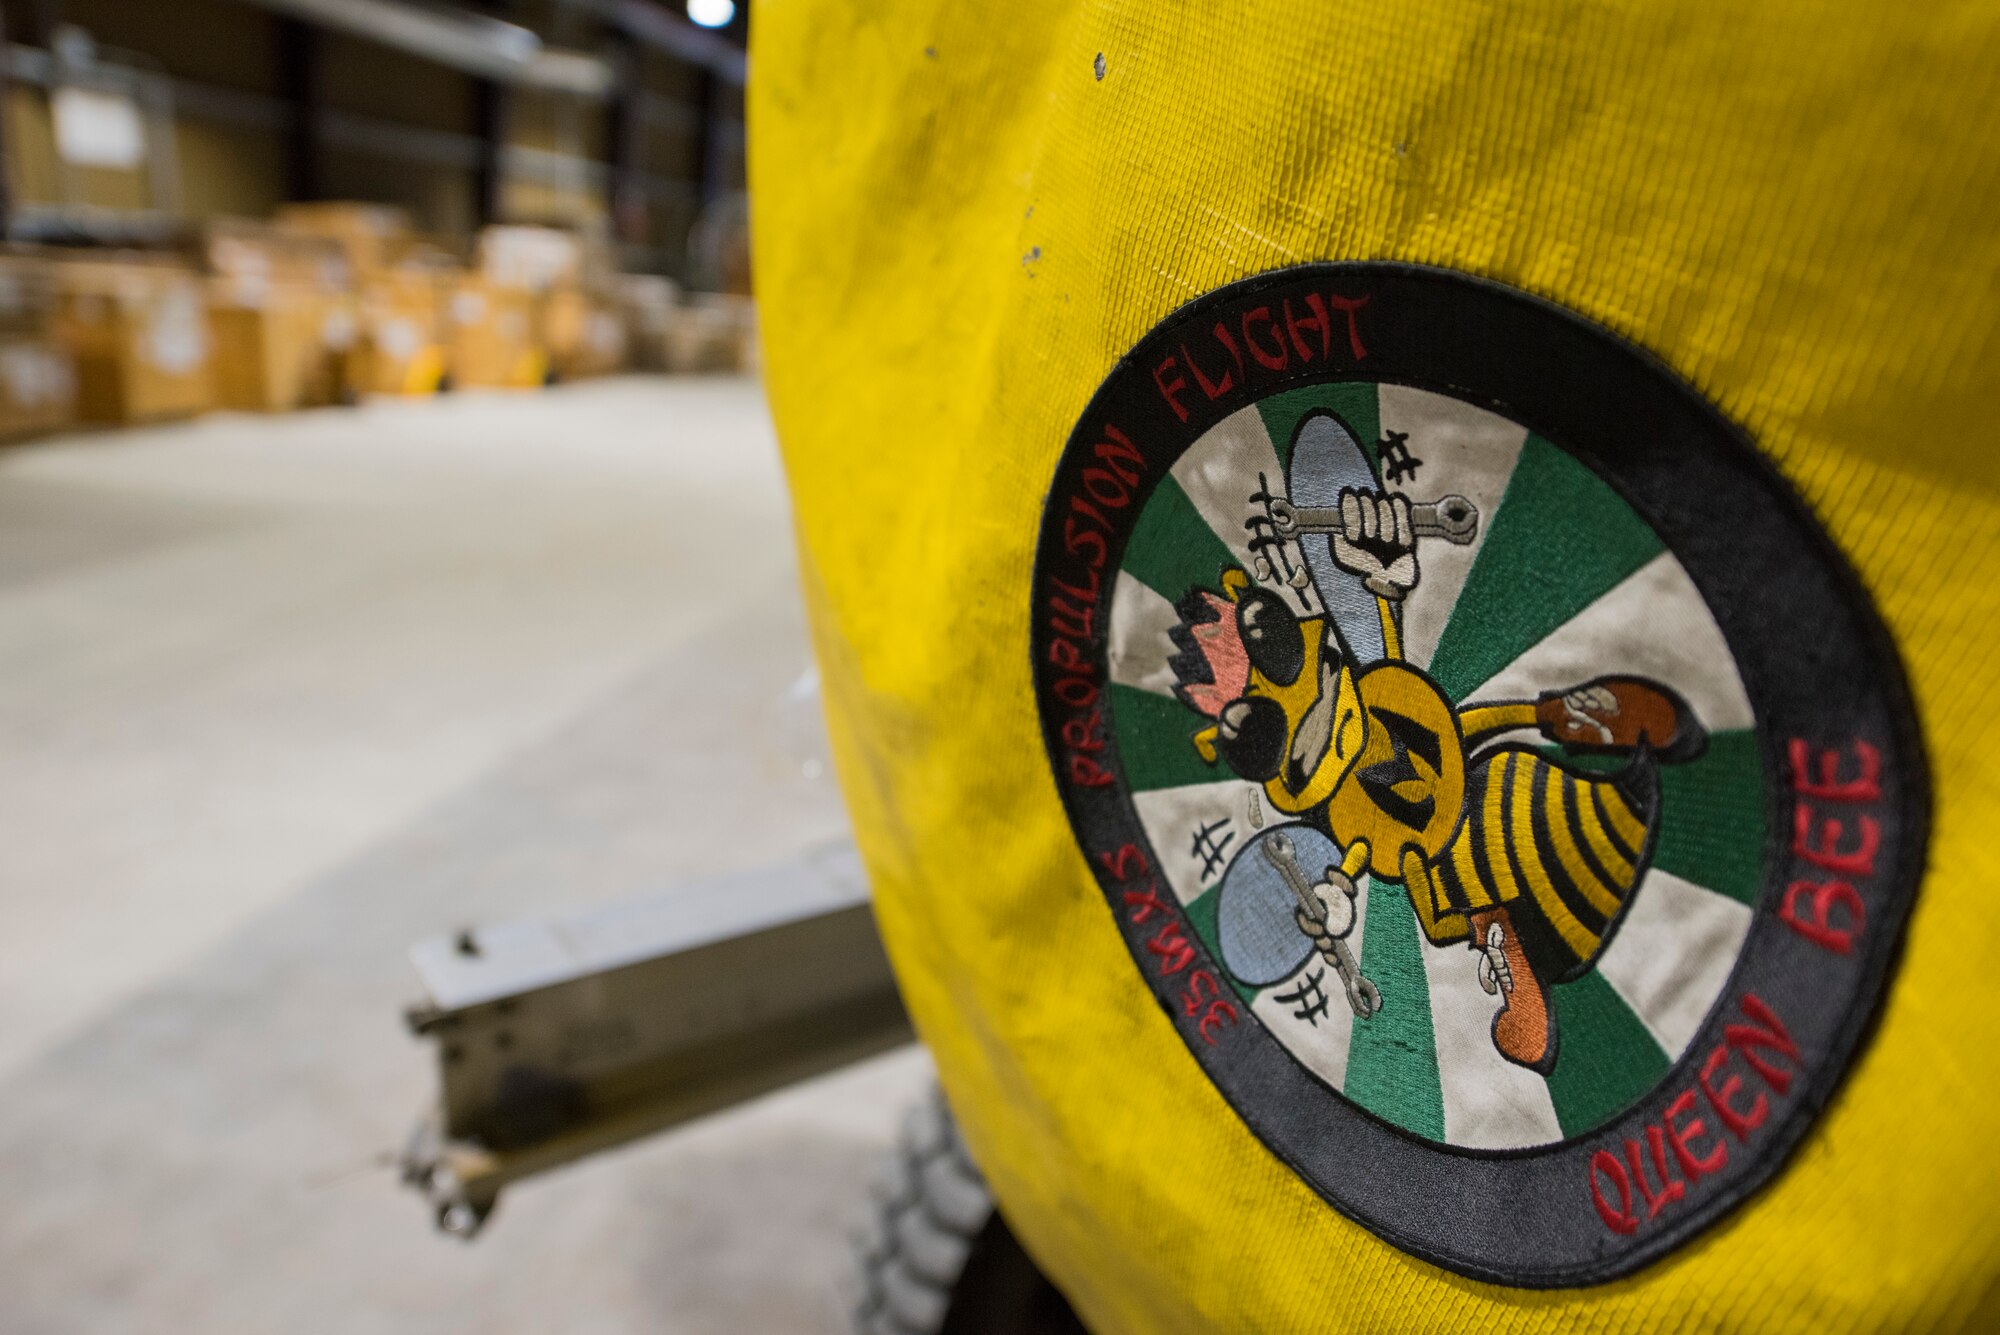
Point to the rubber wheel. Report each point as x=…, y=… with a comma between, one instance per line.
x=937, y=1258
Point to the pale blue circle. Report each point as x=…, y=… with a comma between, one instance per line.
x=1256, y=918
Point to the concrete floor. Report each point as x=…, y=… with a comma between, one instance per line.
x=280, y=696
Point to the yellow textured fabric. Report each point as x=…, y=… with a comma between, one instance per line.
x=960, y=225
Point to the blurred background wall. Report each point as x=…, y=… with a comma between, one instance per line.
x=275, y=204
x=622, y=117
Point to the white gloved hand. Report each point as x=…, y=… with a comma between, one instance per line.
x=1336, y=894
x=1378, y=542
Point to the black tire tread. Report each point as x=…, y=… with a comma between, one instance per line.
x=937, y=1258
x=929, y=1205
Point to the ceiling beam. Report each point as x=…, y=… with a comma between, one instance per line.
x=473, y=43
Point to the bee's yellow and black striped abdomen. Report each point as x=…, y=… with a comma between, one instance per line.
x=1573, y=846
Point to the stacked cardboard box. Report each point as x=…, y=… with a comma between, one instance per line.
x=137, y=326
x=372, y=236
x=399, y=343
x=281, y=312
x=584, y=333
x=402, y=283
x=329, y=302
x=533, y=259
x=492, y=341
x=714, y=333
x=37, y=373
x=572, y=280
x=650, y=306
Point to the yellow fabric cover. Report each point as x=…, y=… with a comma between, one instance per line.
x=960, y=227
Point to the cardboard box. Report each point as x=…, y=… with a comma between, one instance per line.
x=715, y=333
x=372, y=236
x=399, y=335
x=277, y=354
x=137, y=327
x=280, y=307
x=649, y=305
x=37, y=385
x=584, y=334
x=492, y=339
x=533, y=259
x=541, y=259
x=248, y=258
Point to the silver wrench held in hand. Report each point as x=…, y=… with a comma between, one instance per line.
x=1363, y=997
x=1452, y=518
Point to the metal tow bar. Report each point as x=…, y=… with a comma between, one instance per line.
x=1363, y=997
x=1453, y=518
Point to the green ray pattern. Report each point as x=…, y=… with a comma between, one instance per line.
x=1172, y=548
x=1392, y=1067
x=1606, y=1059
x=1354, y=402
x=1559, y=540
x=1156, y=741
x=1712, y=829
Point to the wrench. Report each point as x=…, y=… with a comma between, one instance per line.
x=1452, y=518
x=1363, y=997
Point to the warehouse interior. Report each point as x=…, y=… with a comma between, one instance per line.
x=392, y=542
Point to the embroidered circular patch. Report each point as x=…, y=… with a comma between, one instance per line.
x=1498, y=776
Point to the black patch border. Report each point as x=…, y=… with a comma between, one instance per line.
x=1814, y=655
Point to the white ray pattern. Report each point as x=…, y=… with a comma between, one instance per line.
x=1652, y=624
x=1673, y=953
x=1140, y=647
x=1489, y=1103
x=1172, y=816
x=1219, y=473
x=1465, y=451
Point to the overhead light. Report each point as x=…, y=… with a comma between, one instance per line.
x=711, y=13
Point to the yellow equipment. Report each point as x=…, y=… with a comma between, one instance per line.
x=1080, y=324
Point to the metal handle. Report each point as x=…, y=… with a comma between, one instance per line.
x=1363, y=997
x=1453, y=518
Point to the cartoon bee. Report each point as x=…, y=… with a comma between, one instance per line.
x=1518, y=852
